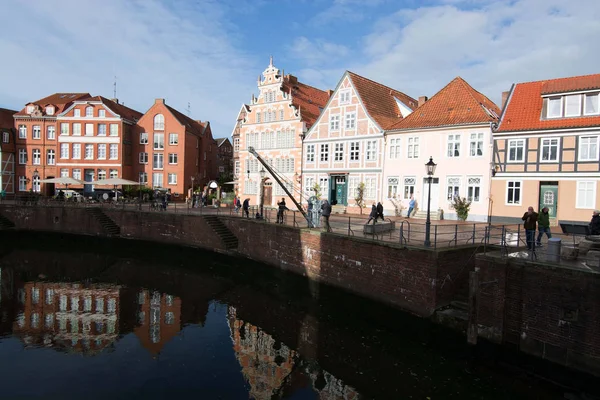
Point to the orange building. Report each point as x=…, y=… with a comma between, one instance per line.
x=158, y=319
x=7, y=151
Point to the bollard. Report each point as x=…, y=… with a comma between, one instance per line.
x=553, y=253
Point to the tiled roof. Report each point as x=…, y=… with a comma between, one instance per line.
x=124, y=112
x=60, y=100
x=524, y=109
x=308, y=99
x=220, y=141
x=456, y=104
x=6, y=118
x=196, y=127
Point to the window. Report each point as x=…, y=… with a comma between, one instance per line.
x=49, y=321
x=339, y=152
x=64, y=172
x=143, y=138
x=76, y=151
x=173, y=139
x=392, y=187
x=113, y=173
x=453, y=183
x=476, y=145
x=101, y=129
x=573, y=105
x=370, y=188
x=310, y=153
x=258, y=117
x=143, y=178
x=64, y=128
x=513, y=192
x=334, y=122
x=64, y=150
x=159, y=122
x=75, y=303
x=159, y=141
x=114, y=129
x=350, y=120
x=324, y=185
x=394, y=148
x=591, y=104
x=89, y=111
x=143, y=158
x=113, y=151
x=371, y=150
x=5, y=137
x=50, y=110
x=324, y=154
x=50, y=157
x=100, y=305
x=112, y=306
x=77, y=112
x=354, y=151
x=236, y=145
x=30, y=109
x=409, y=187
x=413, y=147
x=353, y=183
x=22, y=183
x=157, y=179
x=586, y=194
x=554, y=107
x=77, y=129
x=49, y=296
x=22, y=132
x=37, y=157
x=37, y=185
x=549, y=149
x=89, y=151
x=77, y=173
x=158, y=161
x=89, y=129
x=102, y=113
x=50, y=132
x=35, y=295
x=344, y=96
x=22, y=156
x=473, y=188
x=169, y=318
x=172, y=158
x=516, y=150
x=172, y=179
x=281, y=115
x=237, y=169
x=102, y=151
x=588, y=148
x=101, y=174
x=37, y=132
x=453, y=146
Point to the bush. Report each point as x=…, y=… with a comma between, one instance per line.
x=462, y=206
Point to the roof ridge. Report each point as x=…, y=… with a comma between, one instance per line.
x=471, y=89
x=377, y=83
x=558, y=79
x=306, y=84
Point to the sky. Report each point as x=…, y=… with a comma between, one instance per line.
x=209, y=53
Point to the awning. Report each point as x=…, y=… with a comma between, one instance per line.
x=65, y=180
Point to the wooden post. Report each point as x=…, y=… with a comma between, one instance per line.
x=473, y=293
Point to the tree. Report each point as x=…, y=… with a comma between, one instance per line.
x=360, y=196
x=317, y=190
x=462, y=206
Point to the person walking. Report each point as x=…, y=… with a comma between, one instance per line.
x=411, y=206
x=543, y=226
x=373, y=214
x=281, y=210
x=379, y=211
x=594, y=225
x=530, y=220
x=238, y=204
x=246, y=208
x=325, y=213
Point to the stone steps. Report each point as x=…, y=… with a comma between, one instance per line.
x=109, y=226
x=422, y=214
x=6, y=223
x=227, y=237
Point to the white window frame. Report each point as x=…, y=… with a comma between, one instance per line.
x=471, y=197
x=345, y=96
x=77, y=112
x=560, y=114
x=547, y=142
x=158, y=161
x=395, y=148
x=591, y=206
x=453, y=185
x=237, y=169
x=113, y=151
x=159, y=122
x=101, y=174
x=392, y=186
x=354, y=151
x=520, y=188
x=100, y=133
x=573, y=96
x=22, y=184
x=508, y=147
x=370, y=188
x=156, y=178
x=334, y=122
x=50, y=157
x=101, y=113
x=64, y=128
x=338, y=154
x=350, y=120
x=236, y=145
x=77, y=173
x=22, y=156
x=143, y=158
x=585, y=101
x=310, y=153
x=453, y=146
x=406, y=184
x=64, y=151
x=172, y=181
x=101, y=151
x=76, y=151
x=173, y=139
x=159, y=141
x=173, y=158
x=50, y=132
x=143, y=178
x=36, y=160
x=5, y=137
x=413, y=147
x=371, y=150
x=474, y=142
x=87, y=155
x=36, y=132
x=113, y=174
x=580, y=152
x=89, y=111
x=64, y=172
x=144, y=138
x=76, y=129
x=22, y=131
x=324, y=152
x=89, y=129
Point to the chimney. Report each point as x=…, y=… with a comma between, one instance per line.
x=115, y=100
x=292, y=79
x=329, y=93
x=422, y=100
x=159, y=101
x=504, y=99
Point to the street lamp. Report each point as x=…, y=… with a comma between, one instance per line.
x=262, y=173
x=430, y=171
x=36, y=175
x=192, y=198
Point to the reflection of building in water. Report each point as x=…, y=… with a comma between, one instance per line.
x=72, y=316
x=158, y=319
x=271, y=368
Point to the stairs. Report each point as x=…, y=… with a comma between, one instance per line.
x=338, y=209
x=226, y=236
x=6, y=223
x=436, y=215
x=108, y=224
x=454, y=316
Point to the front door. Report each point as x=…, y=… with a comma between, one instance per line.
x=268, y=194
x=549, y=197
x=341, y=195
x=88, y=176
x=435, y=194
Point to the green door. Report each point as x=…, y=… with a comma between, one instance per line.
x=341, y=194
x=549, y=198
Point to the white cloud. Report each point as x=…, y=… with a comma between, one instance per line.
x=316, y=52
x=181, y=52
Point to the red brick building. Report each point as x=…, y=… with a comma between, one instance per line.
x=158, y=319
x=225, y=159
x=7, y=151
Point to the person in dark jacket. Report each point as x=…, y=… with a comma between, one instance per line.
x=380, y=211
x=280, y=211
x=595, y=223
x=543, y=225
x=246, y=208
x=325, y=213
x=373, y=214
x=530, y=218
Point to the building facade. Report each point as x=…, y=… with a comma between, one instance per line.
x=224, y=160
x=546, y=150
x=345, y=146
x=274, y=124
x=7, y=151
x=454, y=127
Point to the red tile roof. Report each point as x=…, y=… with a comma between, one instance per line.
x=6, y=118
x=124, y=112
x=196, y=127
x=308, y=99
x=524, y=108
x=379, y=100
x=60, y=100
x=456, y=104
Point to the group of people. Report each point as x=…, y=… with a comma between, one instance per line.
x=542, y=220
x=376, y=213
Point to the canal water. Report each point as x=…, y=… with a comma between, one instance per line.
x=87, y=318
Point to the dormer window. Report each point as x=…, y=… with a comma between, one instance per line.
x=555, y=107
x=77, y=112
x=102, y=113
x=50, y=110
x=573, y=105
x=344, y=96
x=89, y=111
x=30, y=109
x=591, y=104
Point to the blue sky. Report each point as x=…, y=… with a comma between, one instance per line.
x=210, y=52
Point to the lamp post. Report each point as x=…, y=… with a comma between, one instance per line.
x=192, y=198
x=36, y=176
x=262, y=173
x=430, y=171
